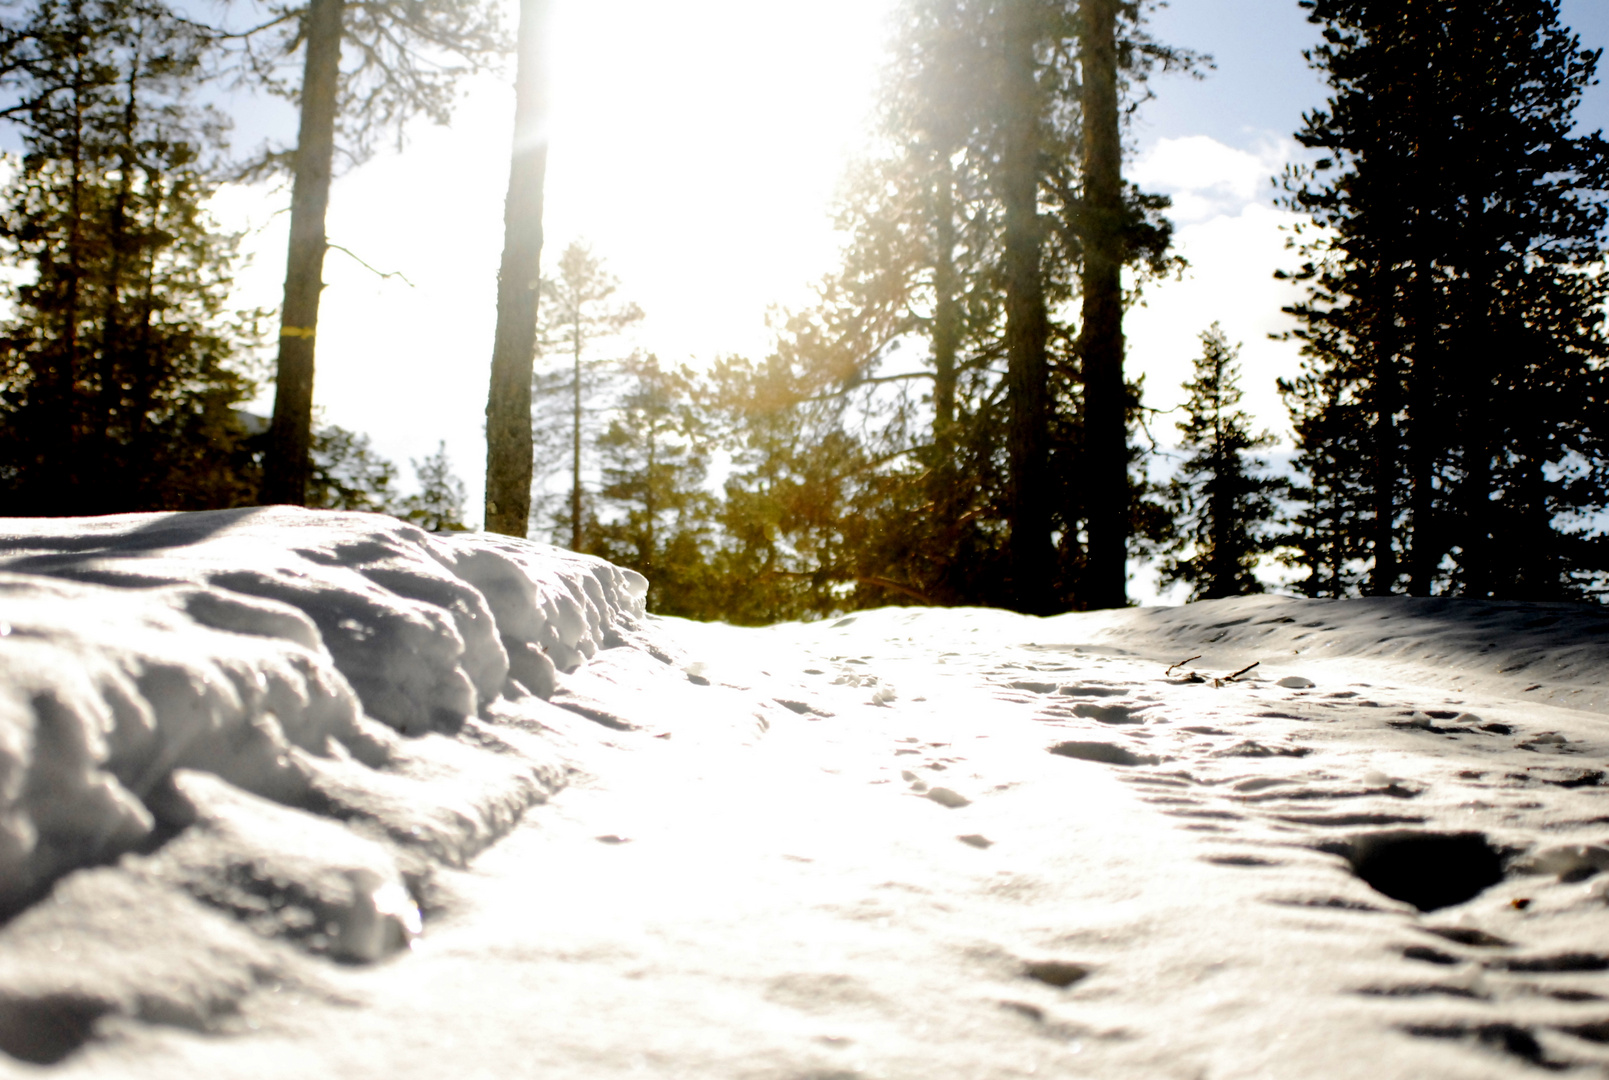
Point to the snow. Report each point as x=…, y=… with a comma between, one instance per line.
x=289, y=793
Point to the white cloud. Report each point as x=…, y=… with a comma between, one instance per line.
x=1206, y=177
x=1234, y=240
x=1230, y=281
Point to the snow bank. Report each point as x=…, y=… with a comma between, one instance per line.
x=240, y=752
x=307, y=700
x=1552, y=652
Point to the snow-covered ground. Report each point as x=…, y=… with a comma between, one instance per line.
x=287, y=793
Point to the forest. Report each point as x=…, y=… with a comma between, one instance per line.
x=950, y=422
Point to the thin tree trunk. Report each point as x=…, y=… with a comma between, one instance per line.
x=648, y=494
x=509, y=455
x=1423, y=188
x=1485, y=392
x=113, y=347
x=1027, y=328
x=288, y=462
x=946, y=316
x=60, y=491
x=1384, y=458
x=575, y=442
x=943, y=493
x=1424, y=436
x=1105, y=396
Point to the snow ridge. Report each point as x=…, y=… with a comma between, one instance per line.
x=301, y=698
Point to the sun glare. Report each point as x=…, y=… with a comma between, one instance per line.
x=696, y=146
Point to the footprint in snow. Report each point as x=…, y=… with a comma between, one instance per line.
x=1109, y=714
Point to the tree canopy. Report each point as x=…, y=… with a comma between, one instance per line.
x=1449, y=413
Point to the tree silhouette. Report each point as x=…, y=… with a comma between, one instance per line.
x=1222, y=506
x=1449, y=415
x=121, y=362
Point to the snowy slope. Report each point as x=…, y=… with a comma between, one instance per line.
x=277, y=776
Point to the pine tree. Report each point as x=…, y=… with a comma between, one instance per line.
x=121, y=364
x=789, y=518
x=349, y=474
x=578, y=315
x=966, y=237
x=1453, y=323
x=438, y=505
x=655, y=457
x=1221, y=501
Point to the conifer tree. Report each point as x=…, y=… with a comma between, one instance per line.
x=1453, y=325
x=655, y=456
x=1221, y=501
x=967, y=234
x=438, y=505
x=349, y=474
x=579, y=314
x=121, y=363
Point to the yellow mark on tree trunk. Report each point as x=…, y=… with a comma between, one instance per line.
x=298, y=331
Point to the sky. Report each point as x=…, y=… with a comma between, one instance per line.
x=698, y=146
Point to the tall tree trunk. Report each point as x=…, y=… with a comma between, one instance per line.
x=943, y=494
x=1105, y=397
x=1384, y=450
x=1423, y=185
x=60, y=491
x=575, y=441
x=946, y=315
x=1425, y=435
x=128, y=467
x=509, y=461
x=1486, y=391
x=1027, y=326
x=288, y=462
x=648, y=496
x=1383, y=573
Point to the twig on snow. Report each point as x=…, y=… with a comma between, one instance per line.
x=1232, y=676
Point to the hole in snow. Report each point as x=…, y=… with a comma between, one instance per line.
x=1579, y=961
x=1469, y=935
x=1427, y=870
x=1105, y=753
x=1057, y=973
x=44, y=1030
x=1506, y=1038
x=1598, y=1032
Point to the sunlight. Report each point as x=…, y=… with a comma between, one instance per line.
x=697, y=147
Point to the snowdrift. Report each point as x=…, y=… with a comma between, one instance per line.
x=302, y=698
x=248, y=759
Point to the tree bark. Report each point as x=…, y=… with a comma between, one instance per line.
x=1105, y=396
x=1032, y=557
x=509, y=452
x=575, y=442
x=288, y=462
x=1385, y=448
x=943, y=485
x=946, y=314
